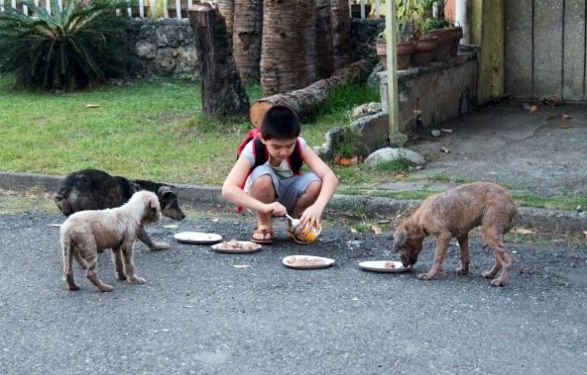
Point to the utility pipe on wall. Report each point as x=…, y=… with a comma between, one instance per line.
x=462, y=19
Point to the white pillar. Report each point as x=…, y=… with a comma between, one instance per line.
x=395, y=138
x=462, y=19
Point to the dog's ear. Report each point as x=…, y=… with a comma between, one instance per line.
x=400, y=240
x=165, y=192
x=154, y=203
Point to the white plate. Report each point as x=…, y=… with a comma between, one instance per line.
x=197, y=237
x=383, y=266
x=236, y=247
x=307, y=261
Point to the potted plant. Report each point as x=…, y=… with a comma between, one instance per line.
x=435, y=23
x=426, y=43
x=405, y=43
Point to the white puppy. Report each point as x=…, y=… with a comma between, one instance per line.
x=85, y=233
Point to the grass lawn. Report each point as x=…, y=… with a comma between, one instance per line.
x=148, y=129
x=155, y=130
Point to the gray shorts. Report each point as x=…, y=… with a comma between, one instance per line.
x=287, y=190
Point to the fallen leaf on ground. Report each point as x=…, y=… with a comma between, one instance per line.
x=445, y=149
x=446, y=130
x=534, y=108
x=341, y=160
x=92, y=106
x=400, y=176
x=242, y=266
x=376, y=229
x=353, y=230
x=566, y=125
x=567, y=116
x=215, y=220
x=523, y=231
x=170, y=226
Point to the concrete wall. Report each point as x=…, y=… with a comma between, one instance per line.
x=545, y=49
x=431, y=95
x=428, y=96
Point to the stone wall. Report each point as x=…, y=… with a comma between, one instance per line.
x=363, y=37
x=166, y=47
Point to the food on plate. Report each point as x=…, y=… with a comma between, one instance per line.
x=238, y=245
x=389, y=265
x=304, y=261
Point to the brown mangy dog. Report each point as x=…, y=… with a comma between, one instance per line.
x=453, y=214
x=86, y=233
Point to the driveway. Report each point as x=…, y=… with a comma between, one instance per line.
x=199, y=314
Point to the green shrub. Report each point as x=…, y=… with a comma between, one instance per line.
x=81, y=45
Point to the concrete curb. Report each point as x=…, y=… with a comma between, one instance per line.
x=342, y=205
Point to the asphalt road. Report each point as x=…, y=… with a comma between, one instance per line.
x=198, y=314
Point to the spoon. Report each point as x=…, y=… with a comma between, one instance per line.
x=294, y=222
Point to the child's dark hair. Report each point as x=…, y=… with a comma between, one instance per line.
x=280, y=122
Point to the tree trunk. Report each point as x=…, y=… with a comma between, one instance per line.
x=226, y=8
x=323, y=35
x=222, y=89
x=283, y=56
x=246, y=38
x=341, y=32
x=307, y=101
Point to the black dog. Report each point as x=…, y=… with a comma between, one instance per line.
x=92, y=189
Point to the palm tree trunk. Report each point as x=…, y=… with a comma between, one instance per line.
x=341, y=33
x=323, y=43
x=307, y=101
x=246, y=38
x=284, y=64
x=226, y=8
x=222, y=89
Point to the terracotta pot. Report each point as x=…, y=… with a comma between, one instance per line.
x=424, y=50
x=457, y=34
x=404, y=54
x=445, y=39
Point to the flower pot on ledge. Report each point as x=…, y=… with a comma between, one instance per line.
x=425, y=50
x=404, y=54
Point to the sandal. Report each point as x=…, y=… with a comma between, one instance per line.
x=262, y=236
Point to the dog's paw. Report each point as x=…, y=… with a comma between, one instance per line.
x=106, y=288
x=461, y=271
x=488, y=274
x=73, y=287
x=158, y=246
x=135, y=280
x=425, y=276
x=120, y=276
x=497, y=282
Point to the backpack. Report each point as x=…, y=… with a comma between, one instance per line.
x=295, y=160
